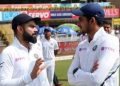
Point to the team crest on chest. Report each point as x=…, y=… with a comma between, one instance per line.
x=94, y=48
x=51, y=43
x=36, y=56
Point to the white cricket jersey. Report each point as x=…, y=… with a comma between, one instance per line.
x=105, y=49
x=83, y=37
x=16, y=64
x=48, y=48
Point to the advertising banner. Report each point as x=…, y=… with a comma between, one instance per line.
x=42, y=6
x=111, y=12
x=116, y=21
x=24, y=6
x=21, y=7
x=67, y=48
x=43, y=14
x=60, y=14
x=0, y=16
x=8, y=16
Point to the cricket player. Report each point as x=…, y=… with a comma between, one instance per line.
x=21, y=63
x=50, y=49
x=96, y=57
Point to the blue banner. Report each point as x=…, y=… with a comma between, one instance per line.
x=60, y=14
x=8, y=16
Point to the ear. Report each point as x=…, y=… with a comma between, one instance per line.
x=92, y=20
x=19, y=29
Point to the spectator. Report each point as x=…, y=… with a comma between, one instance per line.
x=108, y=27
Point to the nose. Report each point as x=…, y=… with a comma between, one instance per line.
x=35, y=29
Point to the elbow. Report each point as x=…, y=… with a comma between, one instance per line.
x=2, y=83
x=71, y=81
x=97, y=80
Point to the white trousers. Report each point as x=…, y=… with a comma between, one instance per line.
x=50, y=70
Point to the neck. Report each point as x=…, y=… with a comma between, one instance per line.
x=92, y=33
x=24, y=43
x=48, y=38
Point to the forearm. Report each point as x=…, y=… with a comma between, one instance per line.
x=98, y=76
x=22, y=81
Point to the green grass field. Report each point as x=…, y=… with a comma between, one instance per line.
x=61, y=71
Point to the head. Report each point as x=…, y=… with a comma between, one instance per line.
x=91, y=16
x=47, y=32
x=108, y=27
x=25, y=27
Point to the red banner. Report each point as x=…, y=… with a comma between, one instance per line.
x=43, y=14
x=25, y=6
x=111, y=12
x=75, y=17
x=67, y=48
x=43, y=6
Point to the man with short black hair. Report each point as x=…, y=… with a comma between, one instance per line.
x=108, y=27
x=96, y=57
x=50, y=49
x=21, y=63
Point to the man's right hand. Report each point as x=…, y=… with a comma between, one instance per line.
x=38, y=67
x=95, y=66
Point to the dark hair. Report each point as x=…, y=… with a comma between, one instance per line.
x=107, y=22
x=99, y=21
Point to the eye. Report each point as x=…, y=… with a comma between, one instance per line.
x=32, y=26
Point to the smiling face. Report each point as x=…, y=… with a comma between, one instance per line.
x=30, y=32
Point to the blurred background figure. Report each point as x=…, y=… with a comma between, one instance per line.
x=50, y=49
x=108, y=27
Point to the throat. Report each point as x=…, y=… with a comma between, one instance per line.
x=90, y=39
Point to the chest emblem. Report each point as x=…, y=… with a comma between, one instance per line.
x=51, y=43
x=36, y=56
x=94, y=48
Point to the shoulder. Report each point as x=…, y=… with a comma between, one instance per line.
x=110, y=38
x=8, y=52
x=82, y=44
x=9, y=49
x=110, y=41
x=53, y=40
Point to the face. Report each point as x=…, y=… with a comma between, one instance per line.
x=107, y=28
x=47, y=33
x=30, y=32
x=84, y=25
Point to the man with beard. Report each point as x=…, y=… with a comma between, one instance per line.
x=21, y=63
x=96, y=59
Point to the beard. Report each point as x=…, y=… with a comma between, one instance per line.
x=30, y=38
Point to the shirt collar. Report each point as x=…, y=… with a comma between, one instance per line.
x=46, y=39
x=98, y=35
x=18, y=44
